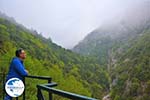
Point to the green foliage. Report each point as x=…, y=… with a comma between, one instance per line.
x=127, y=57
x=132, y=68
x=117, y=97
x=134, y=89
x=120, y=66
x=147, y=89
x=45, y=58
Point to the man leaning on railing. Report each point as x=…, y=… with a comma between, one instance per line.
x=17, y=69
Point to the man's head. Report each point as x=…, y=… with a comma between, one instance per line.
x=20, y=53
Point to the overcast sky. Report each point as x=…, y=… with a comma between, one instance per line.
x=66, y=22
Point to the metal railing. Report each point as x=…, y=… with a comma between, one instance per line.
x=49, y=88
x=62, y=93
x=39, y=78
x=29, y=76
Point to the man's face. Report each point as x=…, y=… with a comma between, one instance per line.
x=22, y=55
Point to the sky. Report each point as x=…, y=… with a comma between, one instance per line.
x=66, y=22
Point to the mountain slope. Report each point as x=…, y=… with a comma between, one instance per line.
x=132, y=23
x=71, y=71
x=130, y=71
x=123, y=48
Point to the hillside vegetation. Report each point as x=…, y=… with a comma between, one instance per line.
x=72, y=72
x=123, y=47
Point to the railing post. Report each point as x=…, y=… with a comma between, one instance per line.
x=49, y=93
x=24, y=93
x=38, y=93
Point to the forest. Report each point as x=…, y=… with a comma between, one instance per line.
x=45, y=58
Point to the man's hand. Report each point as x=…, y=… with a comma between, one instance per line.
x=27, y=71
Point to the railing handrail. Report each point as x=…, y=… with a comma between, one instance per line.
x=48, y=87
x=39, y=77
x=64, y=93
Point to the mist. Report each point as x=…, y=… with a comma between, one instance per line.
x=66, y=22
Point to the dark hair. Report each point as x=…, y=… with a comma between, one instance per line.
x=18, y=52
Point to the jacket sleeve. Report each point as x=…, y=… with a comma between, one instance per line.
x=20, y=68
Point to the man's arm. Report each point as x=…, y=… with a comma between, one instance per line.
x=20, y=68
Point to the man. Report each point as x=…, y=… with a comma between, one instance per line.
x=16, y=69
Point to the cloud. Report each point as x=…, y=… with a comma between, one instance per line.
x=65, y=21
